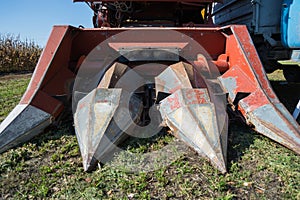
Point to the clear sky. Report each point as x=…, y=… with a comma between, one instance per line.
x=33, y=19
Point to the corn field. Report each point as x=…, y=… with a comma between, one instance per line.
x=17, y=55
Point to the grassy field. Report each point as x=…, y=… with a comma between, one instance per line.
x=49, y=166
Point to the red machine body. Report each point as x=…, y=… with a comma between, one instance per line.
x=229, y=48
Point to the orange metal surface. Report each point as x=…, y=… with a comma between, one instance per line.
x=45, y=62
x=261, y=108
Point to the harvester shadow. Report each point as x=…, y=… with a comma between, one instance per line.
x=240, y=138
x=288, y=94
x=133, y=148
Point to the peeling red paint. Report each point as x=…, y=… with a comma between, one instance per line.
x=174, y=102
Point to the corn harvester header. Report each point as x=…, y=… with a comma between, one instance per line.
x=150, y=64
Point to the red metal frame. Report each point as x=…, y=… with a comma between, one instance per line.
x=230, y=48
x=56, y=68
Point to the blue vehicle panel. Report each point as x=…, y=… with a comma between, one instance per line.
x=260, y=16
x=274, y=26
x=290, y=29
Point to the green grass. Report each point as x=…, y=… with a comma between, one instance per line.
x=288, y=62
x=11, y=90
x=49, y=166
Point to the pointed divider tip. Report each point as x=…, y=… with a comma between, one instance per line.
x=22, y=124
x=95, y=123
x=192, y=118
x=277, y=124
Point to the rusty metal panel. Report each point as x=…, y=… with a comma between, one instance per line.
x=95, y=123
x=269, y=121
x=92, y=118
x=260, y=107
x=98, y=114
x=21, y=125
x=173, y=78
x=191, y=115
x=192, y=118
